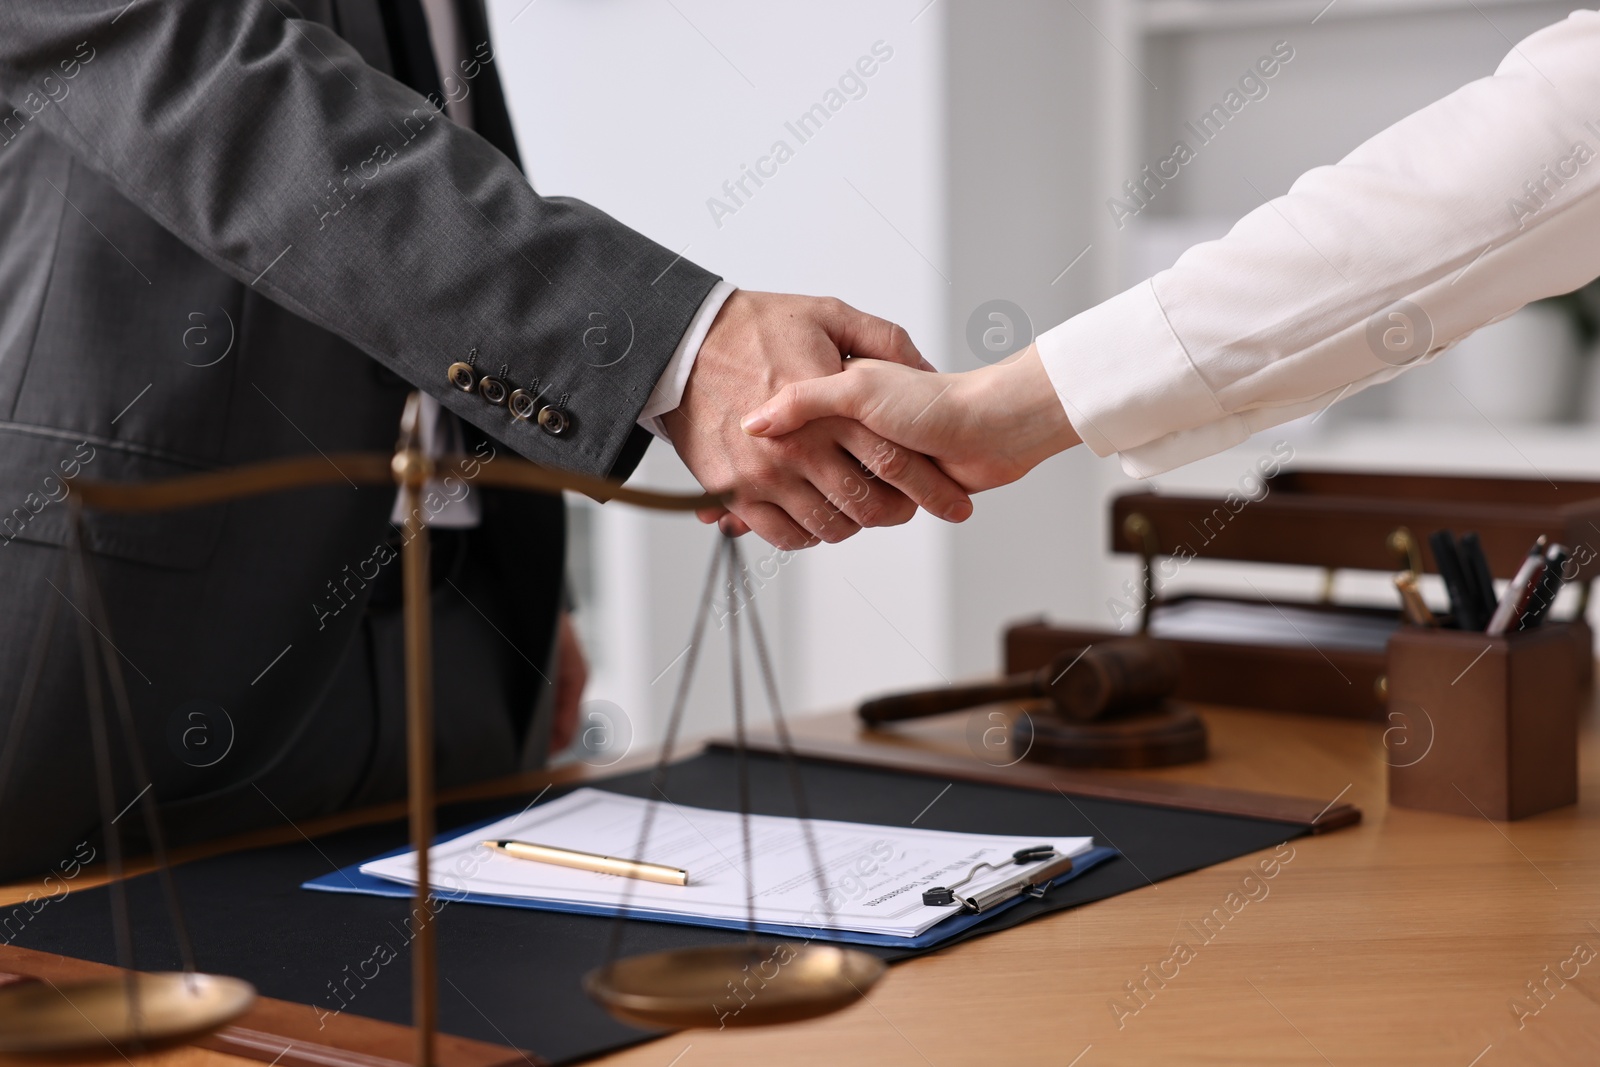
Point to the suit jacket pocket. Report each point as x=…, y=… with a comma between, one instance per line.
x=40, y=469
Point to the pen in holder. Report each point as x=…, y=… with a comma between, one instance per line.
x=1484, y=726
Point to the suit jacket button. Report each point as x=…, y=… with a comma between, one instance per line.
x=553, y=420
x=463, y=377
x=523, y=404
x=494, y=390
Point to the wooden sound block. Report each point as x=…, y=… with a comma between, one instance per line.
x=1169, y=735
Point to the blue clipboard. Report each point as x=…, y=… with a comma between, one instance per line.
x=351, y=880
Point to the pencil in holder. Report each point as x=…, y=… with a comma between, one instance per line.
x=1484, y=726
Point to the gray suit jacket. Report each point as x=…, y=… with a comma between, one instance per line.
x=228, y=234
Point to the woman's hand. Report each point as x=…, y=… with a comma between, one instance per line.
x=985, y=428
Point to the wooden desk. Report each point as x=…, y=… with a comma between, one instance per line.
x=1403, y=940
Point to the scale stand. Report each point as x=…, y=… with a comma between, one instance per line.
x=138, y=1009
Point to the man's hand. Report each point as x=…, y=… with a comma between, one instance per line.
x=825, y=481
x=984, y=428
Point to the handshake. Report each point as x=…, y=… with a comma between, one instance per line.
x=815, y=420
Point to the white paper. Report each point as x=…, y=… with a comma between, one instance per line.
x=1267, y=624
x=875, y=874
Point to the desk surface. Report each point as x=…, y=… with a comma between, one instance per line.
x=1404, y=940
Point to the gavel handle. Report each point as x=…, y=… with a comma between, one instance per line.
x=948, y=698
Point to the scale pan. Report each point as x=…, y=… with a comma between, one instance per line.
x=730, y=986
x=40, y=1017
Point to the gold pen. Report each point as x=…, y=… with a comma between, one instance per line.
x=590, y=861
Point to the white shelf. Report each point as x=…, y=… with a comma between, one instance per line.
x=1552, y=452
x=1188, y=16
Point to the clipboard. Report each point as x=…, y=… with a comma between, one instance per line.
x=351, y=880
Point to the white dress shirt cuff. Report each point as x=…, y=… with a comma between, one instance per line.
x=668, y=393
x=1124, y=377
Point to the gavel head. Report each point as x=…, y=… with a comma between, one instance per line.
x=1123, y=674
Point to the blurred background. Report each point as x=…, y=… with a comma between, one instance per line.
x=982, y=161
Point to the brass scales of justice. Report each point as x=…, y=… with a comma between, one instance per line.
x=666, y=989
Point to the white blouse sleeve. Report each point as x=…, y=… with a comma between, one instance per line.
x=1449, y=220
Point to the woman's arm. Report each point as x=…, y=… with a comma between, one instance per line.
x=1449, y=220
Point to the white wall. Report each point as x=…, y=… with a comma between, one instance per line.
x=645, y=108
x=1032, y=95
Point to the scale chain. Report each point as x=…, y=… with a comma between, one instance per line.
x=741, y=746
x=658, y=776
x=780, y=726
x=94, y=698
x=146, y=800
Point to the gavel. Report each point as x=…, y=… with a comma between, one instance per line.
x=1104, y=679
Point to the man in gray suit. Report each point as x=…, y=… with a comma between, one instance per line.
x=233, y=230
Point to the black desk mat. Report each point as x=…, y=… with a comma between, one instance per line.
x=511, y=976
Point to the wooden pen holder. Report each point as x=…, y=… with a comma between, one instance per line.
x=1483, y=726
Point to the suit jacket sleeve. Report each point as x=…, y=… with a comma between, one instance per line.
x=1451, y=219
x=263, y=141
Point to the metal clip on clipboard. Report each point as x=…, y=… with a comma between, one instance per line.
x=1032, y=883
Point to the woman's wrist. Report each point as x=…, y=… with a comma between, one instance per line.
x=1019, y=396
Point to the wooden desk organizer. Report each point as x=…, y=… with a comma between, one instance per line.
x=1333, y=520
x=1483, y=725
